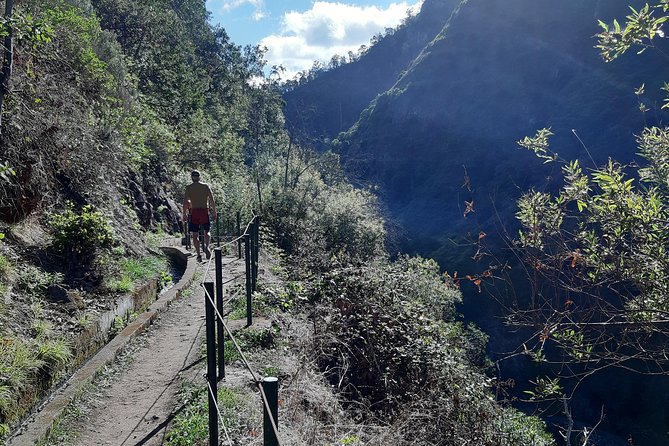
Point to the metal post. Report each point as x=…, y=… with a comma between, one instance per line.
x=218, y=231
x=249, y=291
x=255, y=245
x=211, y=362
x=256, y=236
x=271, y=387
x=257, y=250
x=239, y=234
x=220, y=332
x=187, y=231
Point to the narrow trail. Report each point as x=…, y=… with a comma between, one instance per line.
x=137, y=408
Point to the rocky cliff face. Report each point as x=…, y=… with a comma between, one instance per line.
x=150, y=194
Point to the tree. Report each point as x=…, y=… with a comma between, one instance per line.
x=8, y=54
x=597, y=255
x=596, y=251
x=16, y=26
x=264, y=135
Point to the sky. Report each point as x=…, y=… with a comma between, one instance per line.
x=298, y=32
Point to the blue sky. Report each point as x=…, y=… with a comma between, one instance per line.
x=297, y=32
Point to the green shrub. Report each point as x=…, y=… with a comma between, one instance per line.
x=319, y=222
x=80, y=33
x=5, y=266
x=349, y=222
x=394, y=342
x=34, y=280
x=80, y=233
x=191, y=425
x=381, y=338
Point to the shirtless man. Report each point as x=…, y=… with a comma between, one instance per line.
x=198, y=198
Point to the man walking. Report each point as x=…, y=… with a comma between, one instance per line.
x=198, y=198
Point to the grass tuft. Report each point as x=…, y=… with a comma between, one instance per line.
x=41, y=328
x=5, y=267
x=120, y=285
x=55, y=353
x=191, y=426
x=20, y=366
x=6, y=399
x=249, y=340
x=132, y=271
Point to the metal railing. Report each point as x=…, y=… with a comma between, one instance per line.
x=230, y=232
x=217, y=329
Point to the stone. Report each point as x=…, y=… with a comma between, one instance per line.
x=57, y=293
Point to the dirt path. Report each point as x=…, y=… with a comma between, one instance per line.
x=136, y=409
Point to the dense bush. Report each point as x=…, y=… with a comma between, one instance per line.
x=386, y=339
x=318, y=219
x=80, y=233
x=392, y=346
x=348, y=221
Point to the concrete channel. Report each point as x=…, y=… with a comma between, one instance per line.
x=93, y=350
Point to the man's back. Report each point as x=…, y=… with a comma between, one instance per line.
x=198, y=193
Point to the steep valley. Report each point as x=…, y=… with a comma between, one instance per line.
x=438, y=145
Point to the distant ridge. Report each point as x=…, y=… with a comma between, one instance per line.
x=333, y=101
x=491, y=72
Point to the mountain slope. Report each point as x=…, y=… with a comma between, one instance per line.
x=441, y=142
x=496, y=72
x=332, y=102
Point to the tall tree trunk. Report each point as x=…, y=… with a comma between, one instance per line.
x=257, y=174
x=290, y=145
x=259, y=193
x=7, y=59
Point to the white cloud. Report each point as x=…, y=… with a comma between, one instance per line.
x=229, y=5
x=329, y=28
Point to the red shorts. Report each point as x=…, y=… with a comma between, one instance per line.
x=199, y=219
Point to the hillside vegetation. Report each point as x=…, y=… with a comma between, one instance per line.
x=570, y=243
x=110, y=104
x=439, y=130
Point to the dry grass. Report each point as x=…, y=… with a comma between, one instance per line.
x=310, y=412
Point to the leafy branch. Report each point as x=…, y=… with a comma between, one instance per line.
x=539, y=145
